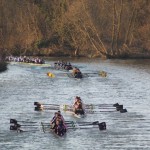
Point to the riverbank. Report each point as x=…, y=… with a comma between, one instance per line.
x=61, y=52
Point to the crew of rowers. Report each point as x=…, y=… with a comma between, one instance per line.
x=63, y=65
x=58, y=124
x=78, y=107
x=25, y=59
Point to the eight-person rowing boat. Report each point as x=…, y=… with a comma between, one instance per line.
x=74, y=71
x=62, y=65
x=79, y=109
x=57, y=125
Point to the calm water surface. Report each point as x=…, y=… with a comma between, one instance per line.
x=128, y=83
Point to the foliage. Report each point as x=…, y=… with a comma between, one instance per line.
x=111, y=28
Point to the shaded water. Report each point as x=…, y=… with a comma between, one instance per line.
x=128, y=83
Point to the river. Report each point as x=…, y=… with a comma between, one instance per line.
x=127, y=82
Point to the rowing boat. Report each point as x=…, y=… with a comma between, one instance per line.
x=70, y=75
x=75, y=115
x=89, y=108
x=69, y=109
x=60, y=134
x=63, y=67
x=83, y=75
x=29, y=126
x=30, y=64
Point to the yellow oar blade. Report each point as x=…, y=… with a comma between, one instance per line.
x=103, y=73
x=51, y=75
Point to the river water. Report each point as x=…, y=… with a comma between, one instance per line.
x=127, y=82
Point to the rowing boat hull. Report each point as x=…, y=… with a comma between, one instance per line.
x=68, y=109
x=30, y=64
x=51, y=130
x=75, y=115
x=70, y=75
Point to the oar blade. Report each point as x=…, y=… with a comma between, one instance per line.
x=103, y=74
x=116, y=104
x=13, y=121
x=119, y=107
x=123, y=111
x=12, y=127
x=51, y=75
x=37, y=103
x=38, y=109
x=95, y=123
x=102, y=126
x=43, y=127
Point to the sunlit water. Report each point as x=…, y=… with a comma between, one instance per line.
x=128, y=83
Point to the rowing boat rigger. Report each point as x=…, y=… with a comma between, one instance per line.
x=89, y=108
x=29, y=126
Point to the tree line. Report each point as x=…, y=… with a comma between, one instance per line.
x=105, y=28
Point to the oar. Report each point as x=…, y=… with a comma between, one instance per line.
x=38, y=103
x=99, y=111
x=15, y=121
x=101, y=126
x=69, y=109
x=41, y=109
x=27, y=125
x=43, y=127
x=51, y=75
x=118, y=108
x=20, y=130
x=123, y=111
x=87, y=105
x=72, y=122
x=14, y=128
x=103, y=73
x=87, y=124
x=103, y=105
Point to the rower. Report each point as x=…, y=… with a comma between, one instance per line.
x=58, y=124
x=57, y=116
x=77, y=99
x=76, y=72
x=60, y=128
x=59, y=113
x=78, y=108
x=53, y=121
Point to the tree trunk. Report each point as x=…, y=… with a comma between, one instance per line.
x=113, y=29
x=119, y=25
x=129, y=25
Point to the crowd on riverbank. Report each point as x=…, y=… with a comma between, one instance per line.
x=25, y=59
